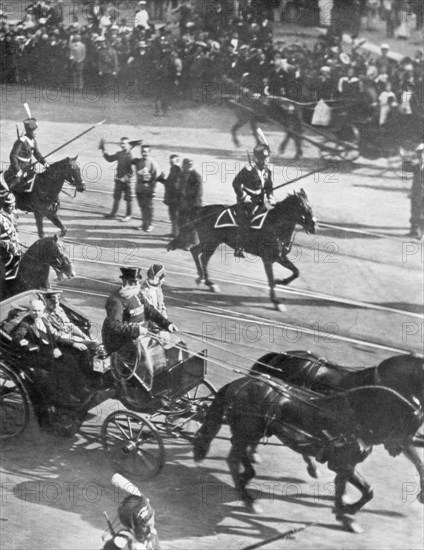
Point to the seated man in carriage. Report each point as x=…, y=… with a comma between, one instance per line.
x=20, y=174
x=125, y=334
x=70, y=334
x=54, y=375
x=252, y=185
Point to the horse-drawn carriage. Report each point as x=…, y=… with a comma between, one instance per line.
x=179, y=398
x=340, y=129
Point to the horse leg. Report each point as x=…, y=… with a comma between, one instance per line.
x=39, y=223
x=54, y=218
x=411, y=454
x=196, y=252
x=254, y=126
x=234, y=130
x=204, y=255
x=239, y=456
x=311, y=467
x=270, y=276
x=344, y=511
x=285, y=262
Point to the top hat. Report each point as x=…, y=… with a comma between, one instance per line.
x=130, y=273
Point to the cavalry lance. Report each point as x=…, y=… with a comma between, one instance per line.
x=74, y=138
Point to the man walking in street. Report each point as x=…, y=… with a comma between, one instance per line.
x=147, y=173
x=417, y=196
x=190, y=202
x=124, y=171
x=172, y=185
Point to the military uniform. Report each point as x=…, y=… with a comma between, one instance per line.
x=147, y=173
x=23, y=150
x=10, y=244
x=251, y=185
x=124, y=317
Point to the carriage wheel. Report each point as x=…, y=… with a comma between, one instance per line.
x=135, y=446
x=14, y=404
x=187, y=413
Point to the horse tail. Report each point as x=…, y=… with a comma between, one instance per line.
x=210, y=427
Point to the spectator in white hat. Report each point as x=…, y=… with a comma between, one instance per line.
x=142, y=16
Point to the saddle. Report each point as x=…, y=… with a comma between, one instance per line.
x=228, y=218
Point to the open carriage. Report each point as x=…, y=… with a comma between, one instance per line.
x=340, y=129
x=178, y=400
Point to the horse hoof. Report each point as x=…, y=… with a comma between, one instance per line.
x=214, y=288
x=253, y=507
x=350, y=524
x=280, y=307
x=255, y=458
x=313, y=472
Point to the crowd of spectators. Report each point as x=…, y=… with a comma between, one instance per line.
x=194, y=57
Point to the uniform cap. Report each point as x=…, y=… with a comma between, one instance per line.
x=30, y=124
x=130, y=273
x=156, y=271
x=51, y=293
x=384, y=46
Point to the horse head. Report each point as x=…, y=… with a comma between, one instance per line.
x=73, y=175
x=57, y=257
x=296, y=207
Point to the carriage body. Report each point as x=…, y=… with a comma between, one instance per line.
x=346, y=130
x=180, y=395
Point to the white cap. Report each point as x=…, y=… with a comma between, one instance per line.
x=384, y=46
x=420, y=147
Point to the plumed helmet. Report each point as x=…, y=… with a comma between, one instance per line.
x=30, y=124
x=260, y=152
x=156, y=272
x=134, y=513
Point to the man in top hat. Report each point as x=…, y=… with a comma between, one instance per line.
x=252, y=185
x=19, y=175
x=417, y=196
x=127, y=310
x=10, y=244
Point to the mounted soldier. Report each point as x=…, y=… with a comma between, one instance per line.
x=252, y=185
x=10, y=244
x=20, y=174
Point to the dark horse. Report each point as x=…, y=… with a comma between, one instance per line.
x=43, y=200
x=402, y=373
x=271, y=243
x=35, y=266
x=338, y=430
